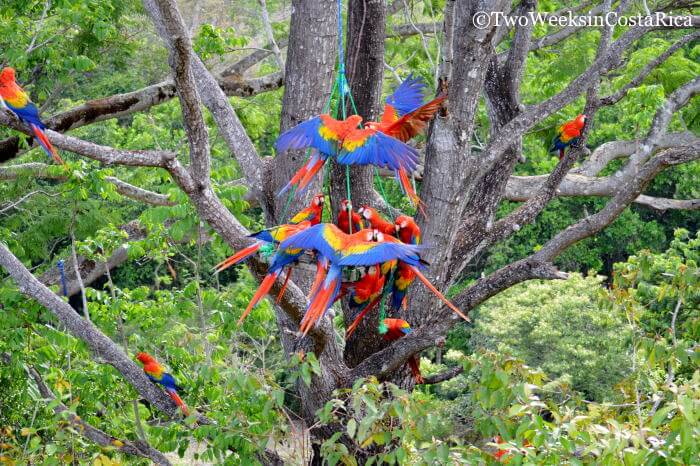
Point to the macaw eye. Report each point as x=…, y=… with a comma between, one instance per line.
x=367, y=214
x=404, y=224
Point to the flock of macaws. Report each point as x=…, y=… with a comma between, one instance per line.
x=386, y=254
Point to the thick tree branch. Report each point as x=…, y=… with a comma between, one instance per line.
x=526, y=120
x=436, y=325
x=181, y=57
x=139, y=194
x=443, y=376
x=120, y=105
x=596, y=222
x=104, y=154
x=101, y=438
x=637, y=80
x=44, y=171
x=101, y=345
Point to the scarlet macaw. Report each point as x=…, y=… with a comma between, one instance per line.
x=376, y=221
x=405, y=116
x=409, y=232
x=19, y=103
x=157, y=374
x=346, y=142
x=364, y=295
x=345, y=214
x=398, y=328
x=311, y=215
x=567, y=134
x=285, y=256
x=336, y=250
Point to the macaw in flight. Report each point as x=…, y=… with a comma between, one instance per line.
x=157, y=374
x=16, y=100
x=347, y=142
x=398, y=328
x=405, y=116
x=336, y=250
x=311, y=215
x=567, y=134
x=349, y=221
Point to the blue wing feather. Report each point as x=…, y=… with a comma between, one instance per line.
x=312, y=238
x=382, y=151
x=306, y=134
x=383, y=252
x=408, y=96
x=29, y=113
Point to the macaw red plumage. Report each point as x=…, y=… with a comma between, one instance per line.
x=312, y=215
x=365, y=294
x=568, y=134
x=15, y=99
x=405, y=116
x=376, y=220
x=349, y=221
x=336, y=250
x=157, y=374
x=347, y=142
x=398, y=328
x=408, y=232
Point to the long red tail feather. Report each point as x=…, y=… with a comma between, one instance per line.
x=263, y=289
x=46, y=144
x=178, y=401
x=414, y=364
x=309, y=175
x=318, y=306
x=410, y=192
x=284, y=286
x=352, y=327
x=320, y=275
x=237, y=257
x=430, y=286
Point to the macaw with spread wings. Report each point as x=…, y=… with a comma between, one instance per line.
x=349, y=143
x=405, y=116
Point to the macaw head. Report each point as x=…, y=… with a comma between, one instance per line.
x=346, y=206
x=372, y=125
x=7, y=75
x=407, y=230
x=580, y=121
x=318, y=200
x=145, y=358
x=370, y=214
x=372, y=235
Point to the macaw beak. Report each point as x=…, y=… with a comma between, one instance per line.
x=397, y=227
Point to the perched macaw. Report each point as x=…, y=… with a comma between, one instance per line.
x=157, y=374
x=345, y=214
x=18, y=102
x=348, y=143
x=398, y=328
x=405, y=116
x=568, y=134
x=336, y=250
x=311, y=215
x=365, y=294
x=376, y=221
x=408, y=232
